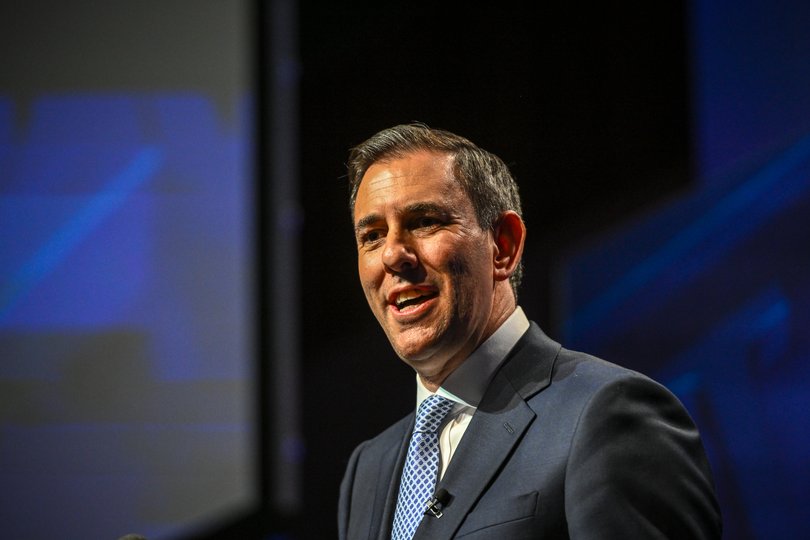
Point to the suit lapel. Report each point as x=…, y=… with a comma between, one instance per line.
x=497, y=426
x=390, y=471
x=488, y=441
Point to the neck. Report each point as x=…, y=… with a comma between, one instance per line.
x=432, y=380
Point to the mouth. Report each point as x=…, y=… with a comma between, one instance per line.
x=410, y=300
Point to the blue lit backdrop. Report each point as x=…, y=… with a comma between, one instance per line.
x=125, y=316
x=127, y=395
x=710, y=292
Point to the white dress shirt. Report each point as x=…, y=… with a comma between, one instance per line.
x=467, y=384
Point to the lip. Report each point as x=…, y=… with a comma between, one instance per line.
x=415, y=312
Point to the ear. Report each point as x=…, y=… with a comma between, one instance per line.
x=510, y=235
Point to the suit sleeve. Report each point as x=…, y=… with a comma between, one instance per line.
x=346, y=489
x=637, y=468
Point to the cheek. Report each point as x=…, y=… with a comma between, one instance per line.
x=467, y=261
x=369, y=286
x=458, y=266
x=458, y=272
x=370, y=279
x=367, y=269
x=470, y=272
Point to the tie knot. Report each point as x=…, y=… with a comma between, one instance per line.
x=431, y=413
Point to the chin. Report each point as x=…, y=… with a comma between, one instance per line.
x=414, y=353
x=420, y=345
x=411, y=356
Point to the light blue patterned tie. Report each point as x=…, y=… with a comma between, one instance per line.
x=421, y=467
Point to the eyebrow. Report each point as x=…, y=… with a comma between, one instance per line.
x=425, y=208
x=415, y=208
x=365, y=221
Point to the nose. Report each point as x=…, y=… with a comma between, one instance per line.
x=399, y=255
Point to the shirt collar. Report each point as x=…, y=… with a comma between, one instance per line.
x=467, y=384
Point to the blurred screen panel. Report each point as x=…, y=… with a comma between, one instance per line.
x=126, y=260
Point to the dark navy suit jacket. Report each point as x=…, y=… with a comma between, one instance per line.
x=562, y=445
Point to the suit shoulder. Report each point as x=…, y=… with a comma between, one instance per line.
x=538, y=366
x=590, y=370
x=577, y=379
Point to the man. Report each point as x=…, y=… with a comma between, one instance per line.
x=539, y=441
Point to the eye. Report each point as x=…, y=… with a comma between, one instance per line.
x=426, y=222
x=371, y=237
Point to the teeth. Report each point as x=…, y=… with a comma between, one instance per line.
x=407, y=295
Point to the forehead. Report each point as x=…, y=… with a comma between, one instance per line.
x=414, y=177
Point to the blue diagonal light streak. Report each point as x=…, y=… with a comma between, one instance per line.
x=99, y=206
x=746, y=201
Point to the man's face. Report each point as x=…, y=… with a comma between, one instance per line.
x=425, y=264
